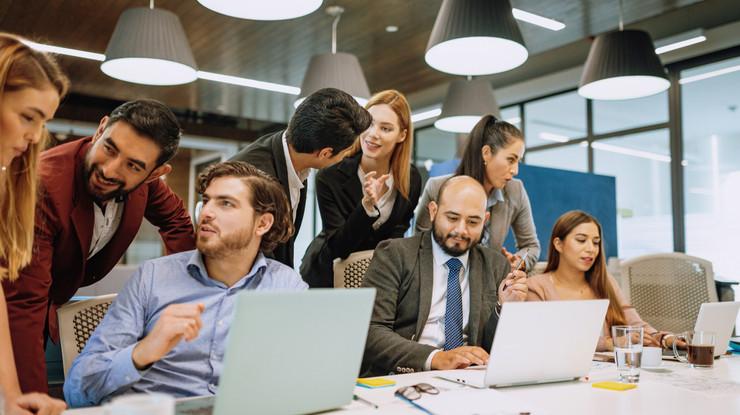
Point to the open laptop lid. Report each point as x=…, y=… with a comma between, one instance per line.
x=718, y=318
x=294, y=352
x=547, y=341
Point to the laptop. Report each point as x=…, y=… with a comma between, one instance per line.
x=290, y=353
x=720, y=319
x=540, y=342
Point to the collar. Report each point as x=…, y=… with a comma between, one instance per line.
x=496, y=196
x=295, y=179
x=197, y=269
x=441, y=257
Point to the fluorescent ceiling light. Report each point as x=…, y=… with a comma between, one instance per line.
x=679, y=41
x=425, y=115
x=631, y=152
x=553, y=137
x=65, y=51
x=708, y=75
x=251, y=83
x=538, y=20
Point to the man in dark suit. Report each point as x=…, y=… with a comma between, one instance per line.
x=324, y=124
x=94, y=194
x=436, y=290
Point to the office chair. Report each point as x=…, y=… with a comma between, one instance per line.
x=77, y=322
x=348, y=273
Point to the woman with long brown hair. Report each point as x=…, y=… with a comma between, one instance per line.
x=576, y=270
x=31, y=86
x=369, y=196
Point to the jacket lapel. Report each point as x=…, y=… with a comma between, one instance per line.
x=83, y=218
x=475, y=276
x=352, y=186
x=425, y=268
x=281, y=165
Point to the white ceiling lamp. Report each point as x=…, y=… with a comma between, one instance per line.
x=335, y=69
x=149, y=46
x=262, y=9
x=622, y=65
x=466, y=102
x=475, y=37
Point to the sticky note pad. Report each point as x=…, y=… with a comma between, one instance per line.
x=614, y=386
x=375, y=382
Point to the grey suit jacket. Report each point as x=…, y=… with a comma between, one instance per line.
x=402, y=273
x=514, y=212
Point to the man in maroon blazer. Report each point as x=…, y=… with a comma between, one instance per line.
x=94, y=194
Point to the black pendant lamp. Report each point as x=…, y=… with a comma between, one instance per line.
x=622, y=65
x=335, y=70
x=475, y=37
x=466, y=102
x=149, y=46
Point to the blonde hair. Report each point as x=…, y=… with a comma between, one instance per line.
x=22, y=67
x=401, y=156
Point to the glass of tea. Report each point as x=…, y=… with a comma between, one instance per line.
x=700, y=345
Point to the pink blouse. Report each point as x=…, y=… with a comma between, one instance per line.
x=542, y=288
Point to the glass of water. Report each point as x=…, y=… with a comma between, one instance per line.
x=627, y=352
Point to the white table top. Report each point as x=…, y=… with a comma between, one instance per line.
x=673, y=389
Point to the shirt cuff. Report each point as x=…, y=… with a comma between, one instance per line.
x=123, y=372
x=371, y=211
x=428, y=363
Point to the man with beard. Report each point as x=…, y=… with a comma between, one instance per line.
x=94, y=194
x=436, y=290
x=166, y=331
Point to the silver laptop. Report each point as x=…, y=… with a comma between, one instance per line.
x=719, y=318
x=540, y=342
x=290, y=353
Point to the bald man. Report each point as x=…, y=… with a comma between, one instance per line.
x=436, y=290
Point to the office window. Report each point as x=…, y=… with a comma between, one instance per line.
x=555, y=119
x=641, y=165
x=573, y=157
x=512, y=116
x=711, y=144
x=434, y=146
x=611, y=116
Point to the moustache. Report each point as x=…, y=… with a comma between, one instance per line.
x=457, y=235
x=102, y=177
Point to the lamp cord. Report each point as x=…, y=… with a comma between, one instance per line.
x=334, y=33
x=621, y=17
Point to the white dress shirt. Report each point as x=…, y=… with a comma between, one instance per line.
x=295, y=179
x=384, y=205
x=434, y=330
x=105, y=226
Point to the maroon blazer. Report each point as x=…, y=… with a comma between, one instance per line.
x=63, y=233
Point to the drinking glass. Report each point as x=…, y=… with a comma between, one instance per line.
x=627, y=352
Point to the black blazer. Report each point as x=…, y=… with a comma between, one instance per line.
x=267, y=155
x=346, y=226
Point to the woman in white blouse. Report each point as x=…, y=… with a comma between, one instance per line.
x=369, y=196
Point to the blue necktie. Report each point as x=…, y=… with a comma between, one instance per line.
x=453, y=309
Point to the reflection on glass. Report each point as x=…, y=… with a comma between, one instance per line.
x=555, y=120
x=512, y=116
x=631, y=113
x=711, y=130
x=573, y=157
x=641, y=164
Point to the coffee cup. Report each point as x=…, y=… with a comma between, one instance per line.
x=651, y=357
x=700, y=346
x=141, y=404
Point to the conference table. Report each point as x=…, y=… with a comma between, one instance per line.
x=673, y=388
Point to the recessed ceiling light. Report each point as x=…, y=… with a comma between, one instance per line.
x=538, y=20
x=391, y=29
x=679, y=41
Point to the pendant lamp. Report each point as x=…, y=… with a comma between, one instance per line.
x=475, y=37
x=262, y=9
x=622, y=65
x=149, y=47
x=466, y=102
x=335, y=70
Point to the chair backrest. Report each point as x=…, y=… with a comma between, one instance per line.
x=348, y=273
x=668, y=289
x=77, y=322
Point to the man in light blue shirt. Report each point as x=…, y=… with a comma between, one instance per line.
x=166, y=331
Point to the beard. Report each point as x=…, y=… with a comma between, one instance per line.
x=117, y=194
x=216, y=246
x=454, y=249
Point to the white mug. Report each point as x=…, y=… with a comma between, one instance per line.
x=141, y=404
x=652, y=356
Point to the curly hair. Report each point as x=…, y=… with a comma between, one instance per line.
x=266, y=196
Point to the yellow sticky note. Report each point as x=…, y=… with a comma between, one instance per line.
x=375, y=382
x=614, y=386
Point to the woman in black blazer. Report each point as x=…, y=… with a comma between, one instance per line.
x=371, y=195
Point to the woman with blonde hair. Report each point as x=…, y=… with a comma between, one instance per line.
x=369, y=196
x=576, y=270
x=31, y=86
